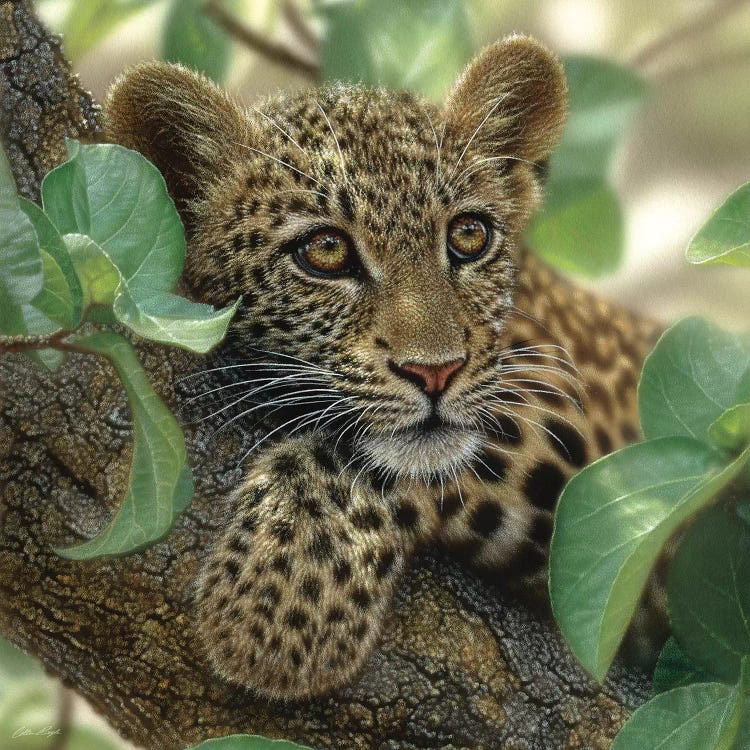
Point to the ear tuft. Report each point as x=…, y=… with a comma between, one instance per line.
x=179, y=120
x=512, y=96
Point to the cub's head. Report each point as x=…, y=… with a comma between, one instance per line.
x=371, y=234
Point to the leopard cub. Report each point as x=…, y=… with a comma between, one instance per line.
x=422, y=379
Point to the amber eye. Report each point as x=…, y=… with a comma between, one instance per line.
x=468, y=237
x=326, y=252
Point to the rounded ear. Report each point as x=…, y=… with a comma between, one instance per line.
x=179, y=120
x=512, y=96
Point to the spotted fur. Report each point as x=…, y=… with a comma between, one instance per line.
x=359, y=465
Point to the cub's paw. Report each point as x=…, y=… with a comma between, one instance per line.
x=292, y=596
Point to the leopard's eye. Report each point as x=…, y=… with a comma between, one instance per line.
x=468, y=238
x=326, y=252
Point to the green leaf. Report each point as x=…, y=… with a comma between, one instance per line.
x=89, y=21
x=674, y=669
x=708, y=593
x=581, y=228
x=248, y=742
x=99, y=276
x=21, y=272
x=603, y=100
x=190, y=37
x=704, y=716
x=419, y=46
x=725, y=237
x=691, y=378
x=732, y=429
x=174, y=320
x=117, y=218
x=612, y=522
x=160, y=484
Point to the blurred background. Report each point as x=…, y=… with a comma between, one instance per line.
x=659, y=137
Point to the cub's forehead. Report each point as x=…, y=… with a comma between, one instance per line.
x=374, y=153
x=372, y=126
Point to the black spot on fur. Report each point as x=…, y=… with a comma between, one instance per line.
x=361, y=597
x=295, y=657
x=310, y=589
x=449, y=505
x=296, y=618
x=288, y=465
x=603, y=440
x=283, y=531
x=325, y=459
x=385, y=563
x=281, y=563
x=630, y=433
x=367, y=519
x=271, y=592
x=232, y=568
x=567, y=442
x=406, y=516
x=541, y=529
x=345, y=203
x=508, y=430
x=336, y=614
x=544, y=485
x=486, y=518
x=337, y=498
x=249, y=524
x=321, y=547
x=491, y=467
x=237, y=544
x=342, y=571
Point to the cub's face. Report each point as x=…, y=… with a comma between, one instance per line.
x=371, y=234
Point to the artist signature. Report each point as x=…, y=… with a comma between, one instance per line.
x=43, y=732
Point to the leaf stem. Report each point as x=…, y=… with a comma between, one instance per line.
x=16, y=344
x=274, y=51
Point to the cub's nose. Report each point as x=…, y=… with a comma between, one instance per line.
x=432, y=379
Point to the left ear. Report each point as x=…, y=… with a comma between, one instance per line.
x=512, y=96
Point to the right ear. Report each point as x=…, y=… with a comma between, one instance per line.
x=179, y=120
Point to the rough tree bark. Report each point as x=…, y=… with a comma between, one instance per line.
x=461, y=663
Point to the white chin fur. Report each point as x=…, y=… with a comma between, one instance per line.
x=421, y=455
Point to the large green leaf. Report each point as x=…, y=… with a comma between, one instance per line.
x=709, y=593
x=604, y=97
x=725, y=237
x=691, y=378
x=21, y=271
x=248, y=742
x=581, y=229
x=612, y=522
x=160, y=484
x=704, y=716
x=674, y=669
x=112, y=206
x=421, y=46
x=192, y=38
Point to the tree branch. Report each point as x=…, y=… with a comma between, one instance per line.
x=693, y=28
x=276, y=52
x=460, y=662
x=298, y=24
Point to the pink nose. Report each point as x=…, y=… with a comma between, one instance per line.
x=432, y=379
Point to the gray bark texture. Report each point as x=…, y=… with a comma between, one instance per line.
x=461, y=664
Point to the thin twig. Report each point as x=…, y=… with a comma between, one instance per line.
x=702, y=66
x=59, y=741
x=299, y=25
x=13, y=344
x=274, y=51
x=692, y=28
